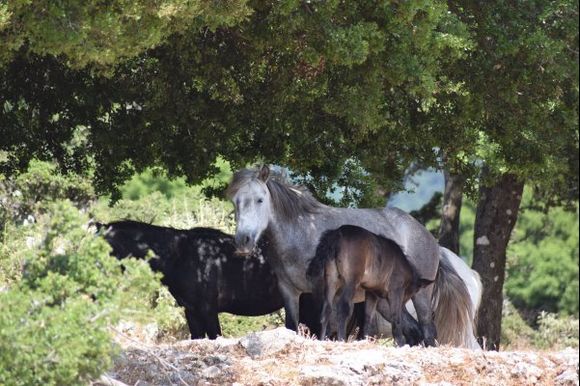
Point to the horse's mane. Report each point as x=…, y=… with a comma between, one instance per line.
x=288, y=200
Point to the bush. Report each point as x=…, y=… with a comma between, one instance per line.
x=54, y=321
x=28, y=193
x=557, y=332
x=46, y=344
x=515, y=332
x=237, y=326
x=554, y=332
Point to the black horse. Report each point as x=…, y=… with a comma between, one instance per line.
x=204, y=274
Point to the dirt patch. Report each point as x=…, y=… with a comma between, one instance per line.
x=281, y=357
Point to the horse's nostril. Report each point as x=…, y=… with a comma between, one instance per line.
x=246, y=240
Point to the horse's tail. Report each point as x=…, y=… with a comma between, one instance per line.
x=455, y=312
x=326, y=251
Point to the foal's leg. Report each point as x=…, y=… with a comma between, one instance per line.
x=396, y=304
x=411, y=329
x=344, y=309
x=422, y=303
x=370, y=307
x=330, y=289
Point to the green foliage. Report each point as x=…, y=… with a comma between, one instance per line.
x=48, y=344
x=466, y=231
x=554, y=332
x=305, y=85
x=518, y=110
x=41, y=184
x=557, y=332
x=88, y=32
x=153, y=197
x=515, y=332
x=55, y=319
x=543, y=260
x=237, y=326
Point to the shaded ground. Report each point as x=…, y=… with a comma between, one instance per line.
x=280, y=357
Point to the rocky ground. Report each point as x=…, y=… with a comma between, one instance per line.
x=281, y=357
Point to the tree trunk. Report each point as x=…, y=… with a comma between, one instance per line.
x=497, y=212
x=452, y=199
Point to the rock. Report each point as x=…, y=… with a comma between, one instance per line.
x=259, y=344
x=567, y=377
x=211, y=372
x=328, y=375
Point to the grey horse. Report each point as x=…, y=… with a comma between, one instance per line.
x=294, y=220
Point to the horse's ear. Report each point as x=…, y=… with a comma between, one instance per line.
x=264, y=173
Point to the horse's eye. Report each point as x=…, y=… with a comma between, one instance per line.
x=260, y=200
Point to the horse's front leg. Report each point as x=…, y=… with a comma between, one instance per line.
x=291, y=298
x=194, y=323
x=422, y=303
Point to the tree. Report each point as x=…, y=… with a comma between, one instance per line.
x=304, y=85
x=451, y=211
x=522, y=97
x=92, y=33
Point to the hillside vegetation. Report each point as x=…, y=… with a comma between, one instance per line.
x=55, y=272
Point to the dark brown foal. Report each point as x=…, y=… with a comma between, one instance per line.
x=356, y=261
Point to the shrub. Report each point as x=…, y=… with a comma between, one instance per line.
x=554, y=332
x=46, y=344
x=515, y=332
x=53, y=325
x=236, y=326
x=557, y=332
x=28, y=193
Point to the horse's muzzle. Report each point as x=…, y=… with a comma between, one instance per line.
x=243, y=252
x=245, y=244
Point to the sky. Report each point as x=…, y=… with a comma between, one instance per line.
x=420, y=188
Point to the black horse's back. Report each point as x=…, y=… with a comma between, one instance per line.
x=201, y=269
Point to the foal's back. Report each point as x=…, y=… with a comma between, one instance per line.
x=372, y=261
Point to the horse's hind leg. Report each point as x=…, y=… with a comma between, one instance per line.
x=330, y=290
x=344, y=309
x=370, y=307
x=411, y=329
x=396, y=304
x=422, y=303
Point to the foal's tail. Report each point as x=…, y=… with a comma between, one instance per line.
x=455, y=311
x=326, y=251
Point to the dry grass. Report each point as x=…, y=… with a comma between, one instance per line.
x=300, y=359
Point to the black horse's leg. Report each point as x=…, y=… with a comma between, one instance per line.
x=411, y=329
x=370, y=306
x=212, y=324
x=195, y=324
x=422, y=303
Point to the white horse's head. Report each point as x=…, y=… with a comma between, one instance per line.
x=253, y=207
